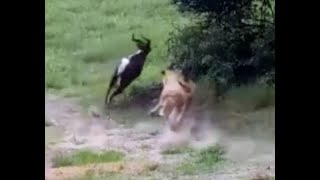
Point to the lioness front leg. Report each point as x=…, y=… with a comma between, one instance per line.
x=163, y=106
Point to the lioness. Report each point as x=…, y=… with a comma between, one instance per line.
x=175, y=98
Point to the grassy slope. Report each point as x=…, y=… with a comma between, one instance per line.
x=86, y=38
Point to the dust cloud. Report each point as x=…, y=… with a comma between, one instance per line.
x=202, y=133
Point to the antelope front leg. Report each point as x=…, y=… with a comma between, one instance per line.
x=156, y=108
x=153, y=110
x=163, y=105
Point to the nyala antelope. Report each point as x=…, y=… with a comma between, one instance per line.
x=129, y=68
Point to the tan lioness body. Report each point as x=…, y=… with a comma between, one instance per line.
x=175, y=98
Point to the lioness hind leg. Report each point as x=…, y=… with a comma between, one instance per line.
x=181, y=113
x=171, y=118
x=174, y=120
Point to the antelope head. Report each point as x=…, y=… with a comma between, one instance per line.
x=144, y=46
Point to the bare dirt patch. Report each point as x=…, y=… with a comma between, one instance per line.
x=80, y=130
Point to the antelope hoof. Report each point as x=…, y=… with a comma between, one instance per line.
x=152, y=113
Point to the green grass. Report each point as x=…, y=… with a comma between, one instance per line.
x=86, y=38
x=250, y=97
x=87, y=157
x=177, y=150
x=203, y=160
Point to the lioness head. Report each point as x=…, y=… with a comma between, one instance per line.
x=171, y=75
x=176, y=76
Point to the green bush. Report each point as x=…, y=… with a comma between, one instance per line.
x=223, y=46
x=250, y=97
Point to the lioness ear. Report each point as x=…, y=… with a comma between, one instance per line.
x=163, y=72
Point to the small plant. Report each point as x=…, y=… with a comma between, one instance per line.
x=87, y=157
x=179, y=150
x=62, y=160
x=210, y=156
x=203, y=160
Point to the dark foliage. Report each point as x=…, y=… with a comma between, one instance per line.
x=233, y=45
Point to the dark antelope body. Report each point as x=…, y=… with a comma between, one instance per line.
x=128, y=69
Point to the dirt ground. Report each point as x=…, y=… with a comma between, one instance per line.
x=143, y=141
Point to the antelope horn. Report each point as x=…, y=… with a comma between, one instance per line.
x=134, y=39
x=146, y=39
